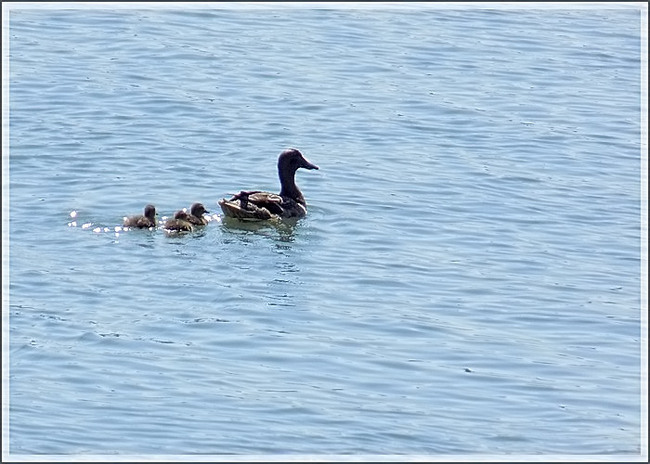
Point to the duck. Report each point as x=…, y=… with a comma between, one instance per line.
x=179, y=223
x=197, y=210
x=256, y=205
x=142, y=221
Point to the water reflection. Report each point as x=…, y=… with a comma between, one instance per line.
x=283, y=288
x=280, y=287
x=285, y=229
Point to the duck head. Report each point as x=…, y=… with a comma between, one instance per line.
x=150, y=211
x=197, y=209
x=180, y=214
x=291, y=160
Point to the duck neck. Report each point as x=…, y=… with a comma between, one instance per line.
x=289, y=187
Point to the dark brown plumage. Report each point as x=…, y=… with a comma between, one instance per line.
x=197, y=210
x=258, y=206
x=179, y=223
x=142, y=221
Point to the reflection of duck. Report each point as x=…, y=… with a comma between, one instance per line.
x=179, y=223
x=197, y=210
x=142, y=221
x=257, y=206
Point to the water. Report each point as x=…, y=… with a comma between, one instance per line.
x=467, y=280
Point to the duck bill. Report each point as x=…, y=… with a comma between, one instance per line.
x=307, y=165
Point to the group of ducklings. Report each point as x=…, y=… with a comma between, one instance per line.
x=247, y=205
x=182, y=221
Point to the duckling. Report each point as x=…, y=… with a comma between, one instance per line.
x=142, y=221
x=179, y=223
x=197, y=210
x=255, y=205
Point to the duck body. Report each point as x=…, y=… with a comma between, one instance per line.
x=260, y=206
x=179, y=223
x=142, y=221
x=197, y=210
x=257, y=205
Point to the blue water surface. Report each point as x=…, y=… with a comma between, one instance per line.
x=467, y=280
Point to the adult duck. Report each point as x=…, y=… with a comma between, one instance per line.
x=179, y=223
x=197, y=210
x=142, y=221
x=255, y=205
